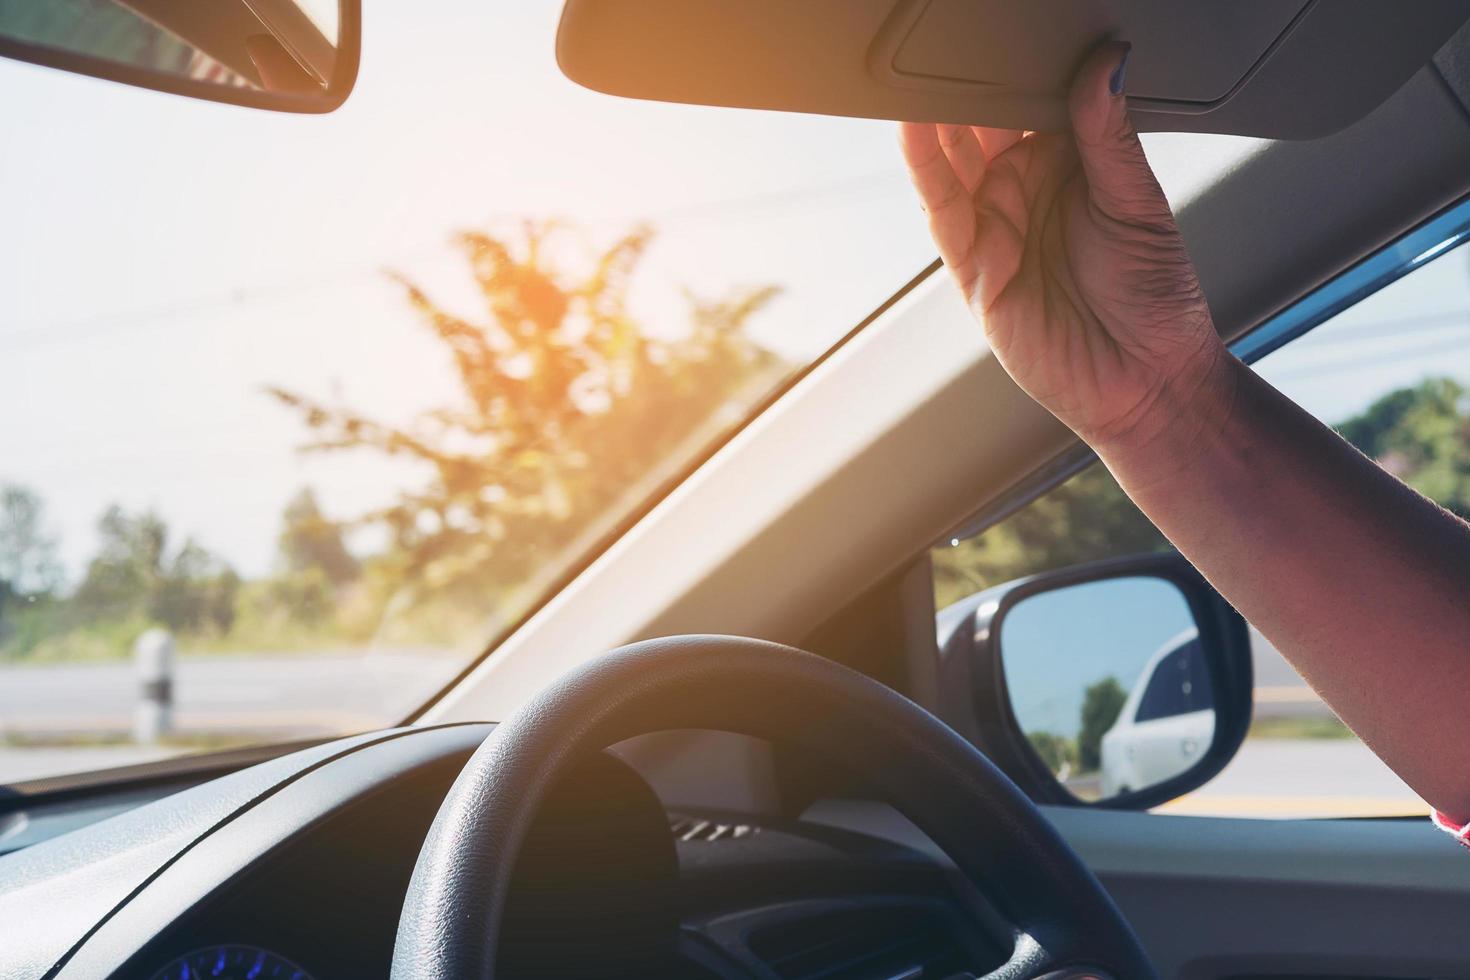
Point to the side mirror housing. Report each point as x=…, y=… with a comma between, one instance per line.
x=1123, y=684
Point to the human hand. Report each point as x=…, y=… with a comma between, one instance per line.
x=1067, y=253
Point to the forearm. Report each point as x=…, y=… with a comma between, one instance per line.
x=1065, y=251
x=1363, y=584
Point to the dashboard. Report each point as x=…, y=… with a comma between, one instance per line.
x=296, y=869
x=232, y=963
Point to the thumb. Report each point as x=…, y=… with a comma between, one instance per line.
x=1120, y=181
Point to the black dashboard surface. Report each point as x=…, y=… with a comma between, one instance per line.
x=308, y=856
x=56, y=892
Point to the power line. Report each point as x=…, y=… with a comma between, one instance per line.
x=40, y=334
x=1317, y=370
x=1401, y=325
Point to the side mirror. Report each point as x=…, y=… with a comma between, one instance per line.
x=1123, y=684
x=289, y=55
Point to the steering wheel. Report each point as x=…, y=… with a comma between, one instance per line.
x=1063, y=921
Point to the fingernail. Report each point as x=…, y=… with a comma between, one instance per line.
x=1120, y=74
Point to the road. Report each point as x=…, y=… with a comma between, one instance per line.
x=1309, y=777
x=68, y=718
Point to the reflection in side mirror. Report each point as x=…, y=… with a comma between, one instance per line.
x=296, y=55
x=1109, y=683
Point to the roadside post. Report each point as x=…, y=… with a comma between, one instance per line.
x=153, y=656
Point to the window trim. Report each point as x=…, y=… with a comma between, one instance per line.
x=1439, y=235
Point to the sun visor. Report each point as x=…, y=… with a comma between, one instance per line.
x=1285, y=69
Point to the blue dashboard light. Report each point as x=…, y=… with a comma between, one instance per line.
x=232, y=962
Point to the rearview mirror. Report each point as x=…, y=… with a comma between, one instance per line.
x=1285, y=70
x=1125, y=683
x=290, y=55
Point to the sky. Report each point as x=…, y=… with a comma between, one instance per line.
x=1414, y=328
x=162, y=259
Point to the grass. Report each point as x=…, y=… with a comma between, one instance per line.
x=1299, y=728
x=51, y=634
x=192, y=742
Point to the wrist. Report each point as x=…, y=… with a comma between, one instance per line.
x=1190, y=420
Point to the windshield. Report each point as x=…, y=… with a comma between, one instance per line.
x=302, y=413
x=323, y=404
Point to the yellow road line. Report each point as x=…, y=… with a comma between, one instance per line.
x=1286, y=694
x=1296, y=806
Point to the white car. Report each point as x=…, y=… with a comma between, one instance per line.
x=1165, y=725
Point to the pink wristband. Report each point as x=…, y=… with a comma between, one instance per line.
x=1460, y=832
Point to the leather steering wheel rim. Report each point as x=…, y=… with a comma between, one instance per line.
x=997, y=838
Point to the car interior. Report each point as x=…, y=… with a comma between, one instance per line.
x=752, y=732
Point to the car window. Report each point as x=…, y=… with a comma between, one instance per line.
x=313, y=408
x=1179, y=685
x=1392, y=375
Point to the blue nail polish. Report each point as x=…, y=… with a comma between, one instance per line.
x=1120, y=74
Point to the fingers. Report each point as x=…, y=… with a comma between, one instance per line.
x=996, y=141
x=1000, y=238
x=966, y=157
x=944, y=195
x=971, y=149
x=1120, y=182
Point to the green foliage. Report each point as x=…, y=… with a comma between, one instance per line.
x=26, y=621
x=309, y=603
x=1422, y=436
x=137, y=575
x=53, y=633
x=1313, y=727
x=28, y=562
x=1086, y=519
x=1101, y=704
x=305, y=597
x=1057, y=751
x=566, y=414
x=309, y=542
x=285, y=612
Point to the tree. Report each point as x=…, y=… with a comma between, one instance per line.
x=135, y=573
x=566, y=411
x=28, y=562
x=1101, y=704
x=1088, y=518
x=128, y=563
x=1057, y=751
x=310, y=541
x=1421, y=435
